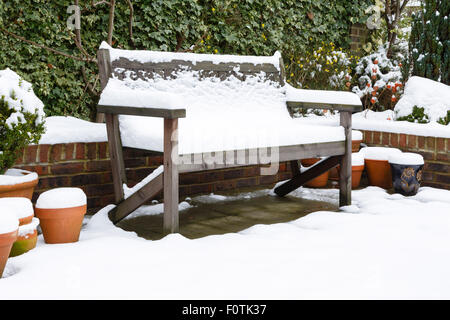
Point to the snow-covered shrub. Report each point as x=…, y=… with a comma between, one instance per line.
x=21, y=117
x=429, y=43
x=424, y=100
x=379, y=80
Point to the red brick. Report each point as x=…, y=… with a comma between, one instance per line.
x=412, y=142
x=251, y=171
x=443, y=157
x=440, y=145
x=86, y=179
x=103, y=150
x=264, y=180
x=283, y=166
x=233, y=173
x=441, y=178
x=44, y=153
x=99, y=189
x=80, y=151
x=247, y=182
x=41, y=170
x=430, y=143
x=67, y=168
x=91, y=150
x=192, y=178
x=135, y=163
x=224, y=185
x=154, y=160
x=98, y=166
x=31, y=154
x=402, y=141
x=427, y=155
x=368, y=137
x=376, y=137
x=393, y=141
x=56, y=152
x=385, y=138
x=200, y=188
x=70, y=151
x=421, y=142
x=19, y=156
x=53, y=182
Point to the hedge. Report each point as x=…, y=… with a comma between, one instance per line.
x=252, y=27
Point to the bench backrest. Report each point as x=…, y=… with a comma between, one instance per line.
x=149, y=64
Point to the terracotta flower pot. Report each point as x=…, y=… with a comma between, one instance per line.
x=355, y=145
x=61, y=225
x=24, y=189
x=6, y=243
x=356, y=175
x=26, y=239
x=318, y=182
x=379, y=173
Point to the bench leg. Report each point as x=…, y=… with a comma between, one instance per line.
x=116, y=156
x=171, y=220
x=345, y=174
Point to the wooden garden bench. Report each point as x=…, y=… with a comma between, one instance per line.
x=138, y=70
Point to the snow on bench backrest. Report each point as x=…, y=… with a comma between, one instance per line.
x=192, y=81
x=144, y=64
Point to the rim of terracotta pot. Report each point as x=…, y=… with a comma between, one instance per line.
x=26, y=220
x=8, y=237
x=60, y=213
x=19, y=186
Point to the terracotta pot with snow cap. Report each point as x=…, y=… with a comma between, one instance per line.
x=26, y=238
x=21, y=207
x=18, y=183
x=61, y=213
x=406, y=172
x=377, y=165
x=9, y=224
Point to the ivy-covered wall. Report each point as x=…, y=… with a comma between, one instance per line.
x=253, y=27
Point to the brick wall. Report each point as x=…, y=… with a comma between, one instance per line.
x=87, y=166
x=358, y=37
x=435, y=152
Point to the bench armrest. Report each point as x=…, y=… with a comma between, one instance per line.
x=329, y=106
x=323, y=99
x=146, y=112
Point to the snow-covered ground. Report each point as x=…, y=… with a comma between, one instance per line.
x=383, y=247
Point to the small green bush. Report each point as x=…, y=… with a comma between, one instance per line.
x=19, y=126
x=445, y=120
x=417, y=115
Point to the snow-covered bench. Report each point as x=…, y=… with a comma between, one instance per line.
x=233, y=111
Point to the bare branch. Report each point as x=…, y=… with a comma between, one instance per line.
x=112, y=6
x=94, y=4
x=47, y=48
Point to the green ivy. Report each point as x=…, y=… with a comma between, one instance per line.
x=245, y=27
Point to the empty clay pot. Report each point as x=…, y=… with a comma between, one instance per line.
x=61, y=225
x=379, y=173
x=318, y=182
x=6, y=243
